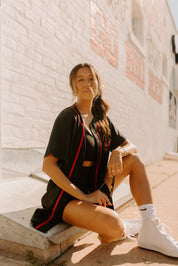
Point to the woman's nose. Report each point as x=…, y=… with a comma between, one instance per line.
x=88, y=84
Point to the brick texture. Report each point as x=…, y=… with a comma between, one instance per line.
x=41, y=40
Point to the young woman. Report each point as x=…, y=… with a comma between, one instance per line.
x=83, y=176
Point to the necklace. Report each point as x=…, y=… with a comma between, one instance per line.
x=85, y=115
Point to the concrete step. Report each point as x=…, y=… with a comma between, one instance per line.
x=21, y=193
x=15, y=225
x=121, y=195
x=171, y=156
x=7, y=175
x=21, y=160
x=19, y=197
x=17, y=236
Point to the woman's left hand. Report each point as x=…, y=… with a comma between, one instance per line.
x=115, y=164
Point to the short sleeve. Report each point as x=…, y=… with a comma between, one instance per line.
x=62, y=135
x=116, y=137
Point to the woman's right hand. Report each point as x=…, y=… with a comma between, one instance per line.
x=97, y=197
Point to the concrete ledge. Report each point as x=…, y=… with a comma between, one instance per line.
x=9, y=248
x=171, y=156
x=21, y=160
x=17, y=235
x=121, y=195
x=22, y=196
x=21, y=193
x=15, y=225
x=16, y=232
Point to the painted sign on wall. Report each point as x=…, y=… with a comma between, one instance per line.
x=155, y=87
x=135, y=67
x=103, y=35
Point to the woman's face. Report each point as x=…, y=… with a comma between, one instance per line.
x=86, y=84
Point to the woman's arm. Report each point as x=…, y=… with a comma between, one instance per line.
x=51, y=168
x=126, y=148
x=115, y=161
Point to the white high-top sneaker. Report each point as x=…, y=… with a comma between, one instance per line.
x=131, y=227
x=154, y=237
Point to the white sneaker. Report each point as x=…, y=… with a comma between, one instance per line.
x=154, y=237
x=131, y=227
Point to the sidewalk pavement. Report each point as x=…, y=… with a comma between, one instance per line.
x=88, y=251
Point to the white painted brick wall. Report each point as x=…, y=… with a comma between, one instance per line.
x=41, y=40
x=0, y=72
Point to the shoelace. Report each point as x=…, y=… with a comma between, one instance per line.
x=128, y=225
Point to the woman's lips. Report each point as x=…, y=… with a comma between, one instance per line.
x=88, y=91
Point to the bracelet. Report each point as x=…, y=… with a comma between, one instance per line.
x=124, y=151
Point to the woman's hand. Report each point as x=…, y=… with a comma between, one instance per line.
x=98, y=197
x=115, y=165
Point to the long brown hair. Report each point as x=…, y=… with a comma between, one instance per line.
x=99, y=107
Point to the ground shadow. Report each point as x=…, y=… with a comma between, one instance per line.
x=102, y=255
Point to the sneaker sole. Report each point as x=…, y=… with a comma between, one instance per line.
x=145, y=246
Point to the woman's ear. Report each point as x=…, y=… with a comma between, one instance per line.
x=74, y=93
x=74, y=90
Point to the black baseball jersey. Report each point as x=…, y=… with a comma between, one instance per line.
x=68, y=143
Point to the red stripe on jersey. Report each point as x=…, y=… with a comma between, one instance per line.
x=96, y=173
x=72, y=168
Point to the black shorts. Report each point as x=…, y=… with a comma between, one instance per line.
x=45, y=218
x=42, y=214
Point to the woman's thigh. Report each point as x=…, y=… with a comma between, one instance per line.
x=101, y=220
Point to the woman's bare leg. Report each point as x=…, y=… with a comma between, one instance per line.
x=101, y=220
x=105, y=221
x=139, y=184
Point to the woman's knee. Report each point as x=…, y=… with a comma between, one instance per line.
x=113, y=229
x=135, y=160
